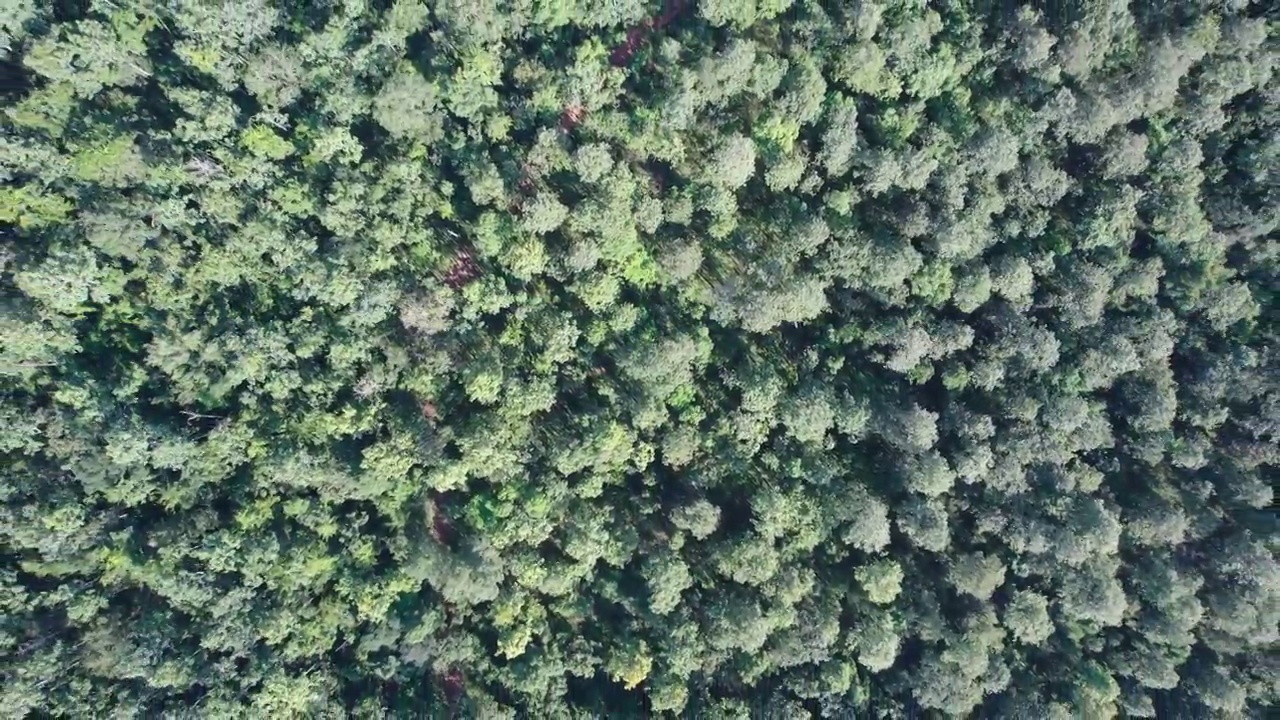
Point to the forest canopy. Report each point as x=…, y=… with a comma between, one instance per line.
x=580, y=358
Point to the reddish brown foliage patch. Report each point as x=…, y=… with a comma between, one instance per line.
x=442, y=529
x=626, y=50
x=429, y=410
x=464, y=270
x=454, y=687
x=525, y=188
x=525, y=185
x=572, y=116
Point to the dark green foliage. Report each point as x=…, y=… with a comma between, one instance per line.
x=574, y=357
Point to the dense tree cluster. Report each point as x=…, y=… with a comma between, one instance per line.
x=578, y=356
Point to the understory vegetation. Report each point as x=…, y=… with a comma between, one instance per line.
x=580, y=358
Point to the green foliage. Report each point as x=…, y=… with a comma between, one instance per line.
x=554, y=357
x=27, y=207
x=1027, y=617
x=263, y=141
x=881, y=581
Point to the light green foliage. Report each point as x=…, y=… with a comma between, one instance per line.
x=593, y=162
x=668, y=577
x=733, y=163
x=881, y=581
x=30, y=208
x=13, y=18
x=337, y=146
x=470, y=90
x=699, y=519
x=112, y=163
x=868, y=528
x=631, y=665
x=94, y=54
x=720, y=12
x=929, y=475
x=544, y=214
x=808, y=416
x=877, y=640
x=275, y=77
x=1027, y=617
x=977, y=574
x=499, y=358
x=407, y=107
x=263, y=141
